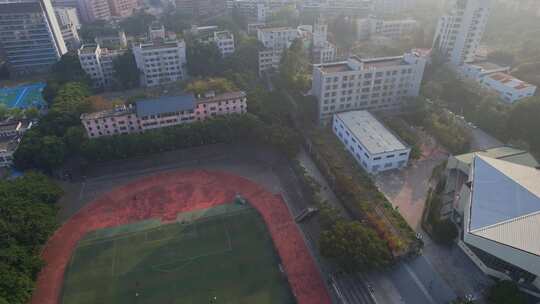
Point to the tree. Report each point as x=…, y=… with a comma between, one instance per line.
x=294, y=66
x=506, y=292
x=137, y=24
x=218, y=85
x=177, y=20
x=126, y=72
x=72, y=98
x=69, y=69
x=89, y=31
x=354, y=247
x=203, y=59
x=4, y=111
x=522, y=120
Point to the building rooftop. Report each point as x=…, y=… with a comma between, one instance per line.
x=277, y=29
x=88, y=48
x=377, y=63
x=118, y=111
x=335, y=67
x=224, y=96
x=159, y=44
x=487, y=66
x=356, y=63
x=509, y=154
x=505, y=203
x=168, y=104
x=8, y=144
x=223, y=35
x=510, y=81
x=375, y=137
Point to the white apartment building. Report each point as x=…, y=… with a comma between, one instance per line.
x=156, y=31
x=98, y=63
x=30, y=37
x=322, y=50
x=367, y=84
x=393, y=29
x=348, y=8
x=277, y=37
x=459, y=33
x=509, y=88
x=160, y=62
x=225, y=42
x=162, y=112
x=275, y=40
x=373, y=146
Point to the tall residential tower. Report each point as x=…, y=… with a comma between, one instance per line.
x=459, y=32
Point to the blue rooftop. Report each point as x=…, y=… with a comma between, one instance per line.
x=169, y=104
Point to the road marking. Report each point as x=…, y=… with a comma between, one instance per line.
x=420, y=285
x=20, y=97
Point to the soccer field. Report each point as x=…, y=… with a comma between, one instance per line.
x=23, y=97
x=218, y=255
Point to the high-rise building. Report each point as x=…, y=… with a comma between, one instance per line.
x=367, y=84
x=123, y=8
x=459, y=32
x=30, y=36
x=160, y=62
x=92, y=10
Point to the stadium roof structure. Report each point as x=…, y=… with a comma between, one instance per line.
x=505, y=203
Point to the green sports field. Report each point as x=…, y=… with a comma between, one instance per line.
x=218, y=255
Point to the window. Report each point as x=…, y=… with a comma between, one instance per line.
x=390, y=156
x=377, y=158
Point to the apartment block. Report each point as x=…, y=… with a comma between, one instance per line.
x=393, y=29
x=374, y=147
x=162, y=112
x=322, y=50
x=509, y=88
x=459, y=32
x=375, y=84
x=331, y=8
x=92, y=10
x=123, y=8
x=225, y=42
x=275, y=40
x=160, y=62
x=30, y=36
x=97, y=62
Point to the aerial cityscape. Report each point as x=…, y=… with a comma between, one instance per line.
x=269, y=151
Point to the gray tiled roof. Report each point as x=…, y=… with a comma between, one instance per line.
x=167, y=104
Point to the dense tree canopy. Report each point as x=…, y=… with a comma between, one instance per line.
x=203, y=59
x=126, y=72
x=506, y=292
x=137, y=24
x=27, y=219
x=354, y=247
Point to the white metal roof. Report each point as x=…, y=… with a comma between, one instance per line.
x=371, y=133
x=505, y=204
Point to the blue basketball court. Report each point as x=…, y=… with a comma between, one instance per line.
x=23, y=97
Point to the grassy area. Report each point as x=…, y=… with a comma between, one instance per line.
x=359, y=194
x=218, y=255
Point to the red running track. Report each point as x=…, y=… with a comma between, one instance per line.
x=163, y=196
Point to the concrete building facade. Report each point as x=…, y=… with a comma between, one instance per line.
x=392, y=7
x=373, y=146
x=160, y=62
x=68, y=20
x=459, y=32
x=162, y=112
x=11, y=133
x=275, y=40
x=30, y=36
x=98, y=63
x=367, y=84
x=123, y=8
